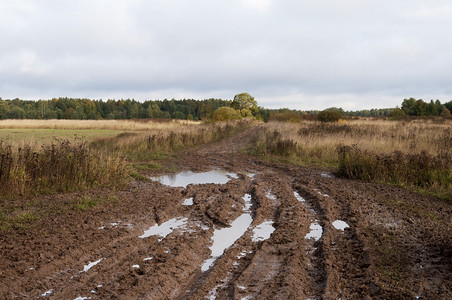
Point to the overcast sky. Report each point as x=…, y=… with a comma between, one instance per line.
x=301, y=54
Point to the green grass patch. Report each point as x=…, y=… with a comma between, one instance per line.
x=85, y=204
x=57, y=167
x=17, y=220
x=421, y=171
x=46, y=136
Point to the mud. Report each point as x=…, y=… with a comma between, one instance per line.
x=398, y=244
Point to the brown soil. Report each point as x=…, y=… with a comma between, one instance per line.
x=398, y=245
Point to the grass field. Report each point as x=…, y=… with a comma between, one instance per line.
x=45, y=136
x=414, y=154
x=61, y=155
x=47, y=131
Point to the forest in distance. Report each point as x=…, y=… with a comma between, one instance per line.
x=186, y=109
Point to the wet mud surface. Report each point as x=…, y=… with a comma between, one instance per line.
x=303, y=234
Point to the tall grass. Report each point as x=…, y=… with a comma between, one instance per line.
x=61, y=166
x=123, y=125
x=415, y=154
x=137, y=146
x=56, y=167
x=432, y=173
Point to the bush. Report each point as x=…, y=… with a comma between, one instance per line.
x=397, y=114
x=329, y=116
x=58, y=167
x=225, y=114
x=286, y=116
x=432, y=173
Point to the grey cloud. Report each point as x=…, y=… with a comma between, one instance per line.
x=278, y=50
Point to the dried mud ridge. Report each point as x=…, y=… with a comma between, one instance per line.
x=397, y=246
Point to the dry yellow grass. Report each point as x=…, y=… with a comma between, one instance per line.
x=415, y=154
x=18, y=132
x=373, y=135
x=123, y=125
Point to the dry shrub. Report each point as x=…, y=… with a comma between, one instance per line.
x=432, y=173
x=141, y=146
x=415, y=154
x=286, y=116
x=273, y=143
x=58, y=167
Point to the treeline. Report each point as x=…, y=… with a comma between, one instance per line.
x=409, y=107
x=83, y=109
x=189, y=109
x=413, y=107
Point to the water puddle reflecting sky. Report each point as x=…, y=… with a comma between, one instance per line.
x=299, y=198
x=223, y=238
x=185, y=178
x=315, y=233
x=49, y=292
x=188, y=201
x=165, y=228
x=91, y=264
x=340, y=225
x=263, y=231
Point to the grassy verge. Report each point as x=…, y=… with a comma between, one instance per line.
x=415, y=154
x=62, y=166
x=56, y=167
x=141, y=150
x=425, y=172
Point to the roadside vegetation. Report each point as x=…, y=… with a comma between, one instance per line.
x=57, y=167
x=30, y=166
x=414, y=154
x=47, y=156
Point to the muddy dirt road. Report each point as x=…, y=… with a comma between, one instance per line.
x=258, y=230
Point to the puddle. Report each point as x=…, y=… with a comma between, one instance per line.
x=203, y=227
x=208, y=263
x=188, y=201
x=299, y=198
x=49, y=292
x=315, y=233
x=321, y=194
x=243, y=254
x=213, y=292
x=185, y=178
x=223, y=238
x=248, y=204
x=148, y=258
x=340, y=225
x=327, y=175
x=90, y=265
x=82, y=298
x=165, y=228
x=263, y=231
x=136, y=266
x=270, y=195
x=114, y=224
